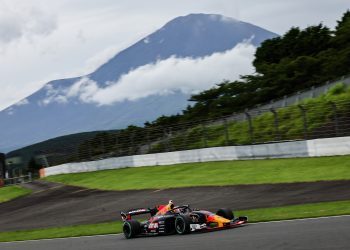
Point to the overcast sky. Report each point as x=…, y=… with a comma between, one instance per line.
x=43, y=40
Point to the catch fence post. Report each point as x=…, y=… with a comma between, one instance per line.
x=116, y=146
x=186, y=140
x=166, y=139
x=276, y=123
x=284, y=102
x=227, y=136
x=313, y=94
x=305, y=125
x=335, y=117
x=326, y=87
x=131, y=148
x=90, y=149
x=119, y=146
x=148, y=140
x=102, y=145
x=170, y=146
x=204, y=135
x=250, y=124
x=298, y=97
x=85, y=153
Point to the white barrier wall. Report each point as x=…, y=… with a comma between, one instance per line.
x=310, y=148
x=329, y=146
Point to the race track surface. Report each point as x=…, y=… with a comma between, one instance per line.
x=54, y=204
x=322, y=233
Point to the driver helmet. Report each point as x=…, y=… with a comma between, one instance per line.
x=170, y=204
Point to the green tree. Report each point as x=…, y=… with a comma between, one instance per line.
x=34, y=166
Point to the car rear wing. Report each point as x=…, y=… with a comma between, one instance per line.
x=127, y=215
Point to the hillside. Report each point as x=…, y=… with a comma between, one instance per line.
x=69, y=106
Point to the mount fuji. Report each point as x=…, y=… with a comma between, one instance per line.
x=110, y=98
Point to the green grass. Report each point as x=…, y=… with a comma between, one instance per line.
x=62, y=232
x=12, y=192
x=311, y=210
x=255, y=215
x=290, y=119
x=214, y=174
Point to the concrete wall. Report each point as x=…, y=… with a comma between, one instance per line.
x=310, y=148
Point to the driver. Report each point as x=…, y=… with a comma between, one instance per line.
x=165, y=208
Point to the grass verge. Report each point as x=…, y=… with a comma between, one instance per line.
x=12, y=192
x=255, y=215
x=311, y=210
x=214, y=174
x=62, y=232
x=320, y=117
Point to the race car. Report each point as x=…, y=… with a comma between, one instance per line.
x=170, y=219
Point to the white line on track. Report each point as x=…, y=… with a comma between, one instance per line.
x=105, y=235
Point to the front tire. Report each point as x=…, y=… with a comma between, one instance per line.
x=131, y=228
x=182, y=224
x=226, y=213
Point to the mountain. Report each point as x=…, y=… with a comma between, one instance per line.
x=47, y=113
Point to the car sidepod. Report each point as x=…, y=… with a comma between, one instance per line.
x=163, y=225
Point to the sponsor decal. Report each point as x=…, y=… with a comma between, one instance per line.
x=153, y=225
x=138, y=211
x=195, y=227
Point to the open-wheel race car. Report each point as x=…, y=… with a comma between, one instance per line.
x=170, y=219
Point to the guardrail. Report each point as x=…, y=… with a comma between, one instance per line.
x=18, y=180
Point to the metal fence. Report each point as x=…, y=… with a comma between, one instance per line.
x=296, y=97
x=18, y=180
x=310, y=120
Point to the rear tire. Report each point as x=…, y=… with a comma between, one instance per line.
x=226, y=213
x=131, y=228
x=182, y=224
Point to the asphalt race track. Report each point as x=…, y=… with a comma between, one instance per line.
x=53, y=204
x=322, y=233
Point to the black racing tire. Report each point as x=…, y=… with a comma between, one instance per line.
x=226, y=213
x=131, y=228
x=182, y=224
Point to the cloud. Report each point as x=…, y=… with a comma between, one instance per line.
x=54, y=95
x=85, y=89
x=18, y=20
x=85, y=27
x=222, y=18
x=100, y=58
x=22, y=102
x=187, y=75
x=11, y=110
